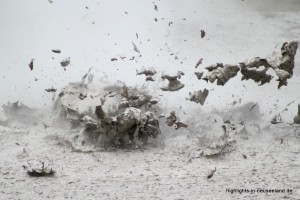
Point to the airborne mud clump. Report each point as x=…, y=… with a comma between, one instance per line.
x=220, y=73
x=174, y=83
x=64, y=63
x=172, y=120
x=199, y=96
x=258, y=76
x=31, y=64
x=282, y=63
x=149, y=73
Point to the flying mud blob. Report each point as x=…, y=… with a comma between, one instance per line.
x=202, y=33
x=172, y=120
x=282, y=77
x=50, y=90
x=56, y=50
x=258, y=76
x=149, y=73
x=64, y=63
x=135, y=48
x=31, y=64
x=198, y=97
x=220, y=73
x=276, y=119
x=174, y=83
x=199, y=75
x=297, y=118
x=234, y=102
x=282, y=63
x=199, y=62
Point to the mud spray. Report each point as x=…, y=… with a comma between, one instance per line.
x=214, y=131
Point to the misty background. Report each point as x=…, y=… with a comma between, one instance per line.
x=92, y=32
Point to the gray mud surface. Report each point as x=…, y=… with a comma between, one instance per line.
x=166, y=171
